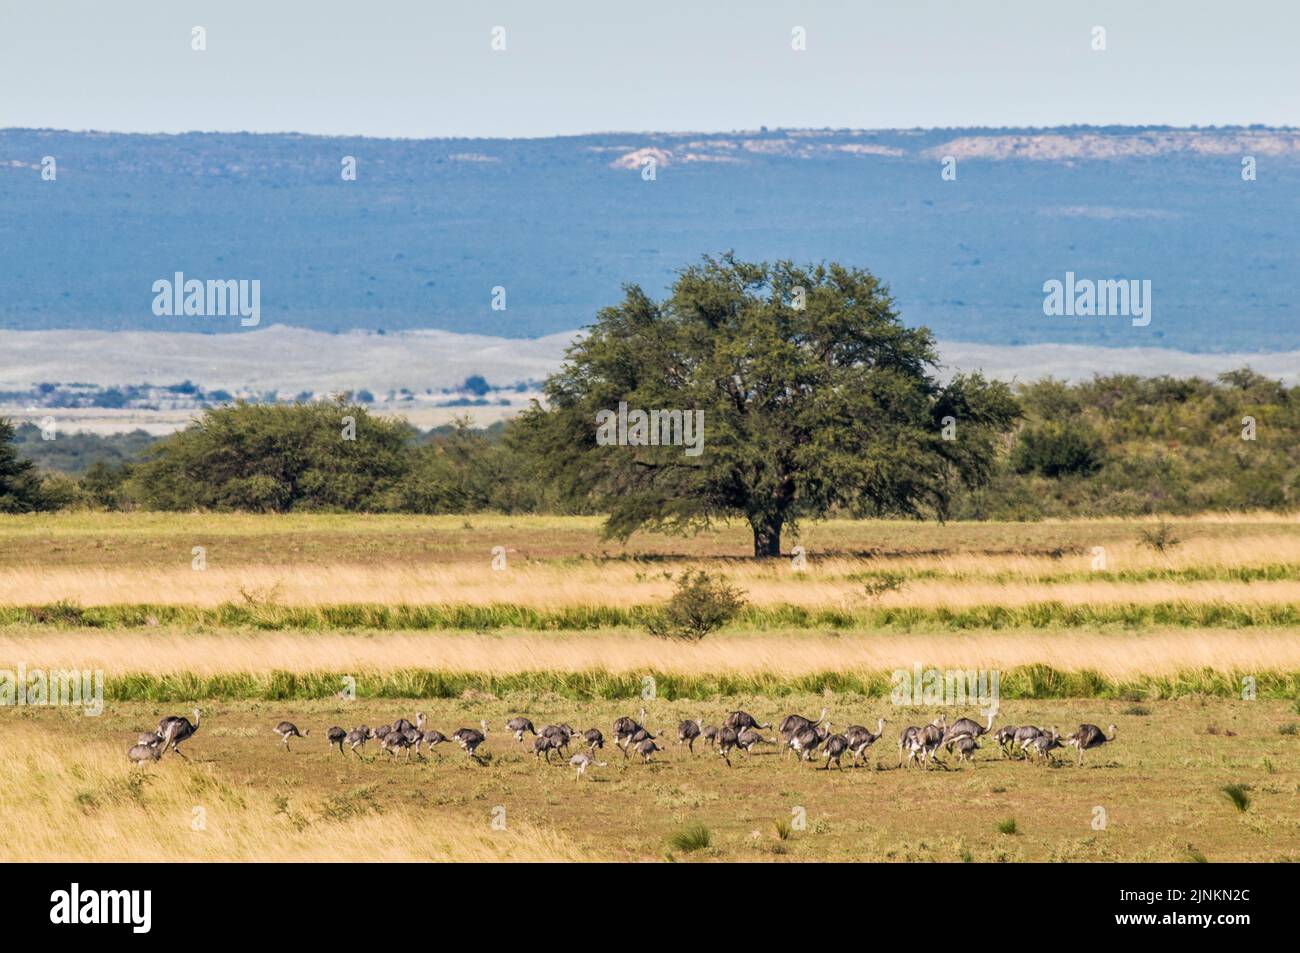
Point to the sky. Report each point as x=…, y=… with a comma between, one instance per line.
x=426, y=68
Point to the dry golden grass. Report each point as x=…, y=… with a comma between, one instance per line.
x=66, y=799
x=1117, y=655
x=950, y=581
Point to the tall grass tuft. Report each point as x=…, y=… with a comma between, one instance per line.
x=690, y=839
x=1236, y=793
x=1007, y=826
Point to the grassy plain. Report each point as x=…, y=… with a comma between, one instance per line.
x=1157, y=642
x=69, y=793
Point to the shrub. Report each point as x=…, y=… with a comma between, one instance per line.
x=1160, y=537
x=1055, y=449
x=701, y=604
x=877, y=584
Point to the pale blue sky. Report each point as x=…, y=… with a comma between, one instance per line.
x=421, y=68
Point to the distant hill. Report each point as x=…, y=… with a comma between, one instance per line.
x=431, y=226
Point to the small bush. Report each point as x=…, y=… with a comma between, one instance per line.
x=782, y=829
x=1008, y=826
x=1160, y=537
x=701, y=604
x=878, y=584
x=1137, y=710
x=696, y=837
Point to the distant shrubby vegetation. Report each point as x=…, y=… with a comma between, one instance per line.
x=1126, y=445
x=75, y=453
x=1112, y=446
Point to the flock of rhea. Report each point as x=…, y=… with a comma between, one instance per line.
x=917, y=745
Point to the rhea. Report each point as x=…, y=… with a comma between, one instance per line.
x=625, y=728
x=433, y=738
x=287, y=730
x=966, y=748
x=646, y=747
x=836, y=745
x=791, y=725
x=152, y=749
x=860, y=739
x=741, y=720
x=965, y=727
x=184, y=730
x=807, y=740
x=471, y=738
x=749, y=739
x=1041, y=746
x=1088, y=737
x=357, y=738
x=584, y=760
x=559, y=736
x=727, y=739
x=518, y=725
x=543, y=745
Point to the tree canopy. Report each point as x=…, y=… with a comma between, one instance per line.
x=20, y=484
x=815, y=399
x=329, y=455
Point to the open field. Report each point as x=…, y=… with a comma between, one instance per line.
x=1162, y=644
x=70, y=794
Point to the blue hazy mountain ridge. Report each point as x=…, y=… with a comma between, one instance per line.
x=430, y=227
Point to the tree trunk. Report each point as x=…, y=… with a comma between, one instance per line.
x=767, y=537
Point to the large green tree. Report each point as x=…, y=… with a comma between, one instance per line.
x=20, y=484
x=815, y=397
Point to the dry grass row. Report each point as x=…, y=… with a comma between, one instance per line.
x=1119, y=656
x=550, y=586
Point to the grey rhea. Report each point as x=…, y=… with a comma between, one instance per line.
x=518, y=725
x=152, y=749
x=336, y=736
x=740, y=720
x=1088, y=737
x=184, y=730
x=860, y=739
x=584, y=760
x=471, y=738
x=287, y=730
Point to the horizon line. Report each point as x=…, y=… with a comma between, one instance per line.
x=762, y=130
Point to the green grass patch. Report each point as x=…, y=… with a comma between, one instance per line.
x=479, y=618
x=1026, y=682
